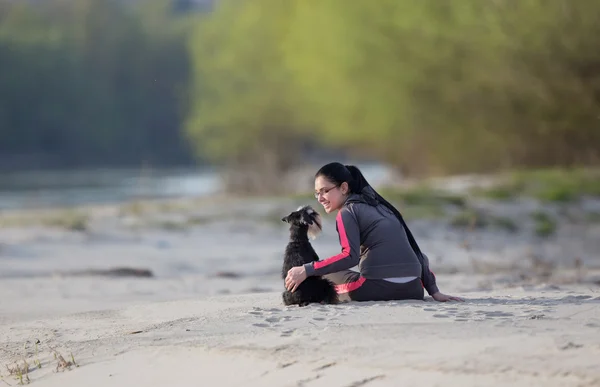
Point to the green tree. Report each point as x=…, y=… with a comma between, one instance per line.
x=428, y=86
x=452, y=86
x=245, y=113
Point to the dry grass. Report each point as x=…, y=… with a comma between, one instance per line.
x=422, y=195
x=72, y=220
x=19, y=369
x=471, y=219
x=63, y=364
x=550, y=185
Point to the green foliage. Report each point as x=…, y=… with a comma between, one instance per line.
x=243, y=107
x=431, y=87
x=422, y=196
x=70, y=220
x=471, y=219
x=552, y=185
x=428, y=86
x=545, y=226
x=505, y=223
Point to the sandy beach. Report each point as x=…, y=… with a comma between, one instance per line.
x=210, y=313
x=525, y=337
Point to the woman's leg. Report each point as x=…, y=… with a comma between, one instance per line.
x=381, y=290
x=345, y=281
x=350, y=286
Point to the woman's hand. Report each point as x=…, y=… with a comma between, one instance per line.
x=295, y=276
x=441, y=297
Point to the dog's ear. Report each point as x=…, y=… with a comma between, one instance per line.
x=314, y=227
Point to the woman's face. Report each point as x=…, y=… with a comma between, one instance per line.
x=330, y=195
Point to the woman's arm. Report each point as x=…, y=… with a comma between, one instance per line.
x=427, y=275
x=349, y=235
x=430, y=284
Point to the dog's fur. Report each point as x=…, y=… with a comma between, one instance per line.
x=304, y=223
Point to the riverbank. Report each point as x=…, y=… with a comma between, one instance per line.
x=83, y=279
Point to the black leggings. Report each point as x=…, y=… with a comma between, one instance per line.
x=350, y=286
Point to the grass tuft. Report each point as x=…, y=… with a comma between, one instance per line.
x=549, y=185
x=69, y=220
x=423, y=196
x=472, y=219
x=545, y=225
x=469, y=219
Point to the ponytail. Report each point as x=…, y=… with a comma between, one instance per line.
x=411, y=238
x=359, y=183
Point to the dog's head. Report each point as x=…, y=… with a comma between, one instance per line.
x=305, y=216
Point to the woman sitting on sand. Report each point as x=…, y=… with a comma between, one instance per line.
x=373, y=236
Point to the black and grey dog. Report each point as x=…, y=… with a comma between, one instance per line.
x=305, y=223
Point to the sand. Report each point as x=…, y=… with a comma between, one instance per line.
x=524, y=337
x=212, y=315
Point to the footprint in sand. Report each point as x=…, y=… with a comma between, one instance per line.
x=452, y=311
x=276, y=319
x=271, y=318
x=497, y=313
x=256, y=311
x=287, y=332
x=267, y=325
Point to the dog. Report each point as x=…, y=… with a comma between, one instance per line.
x=305, y=223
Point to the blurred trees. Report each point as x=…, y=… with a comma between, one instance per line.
x=428, y=86
x=91, y=82
x=245, y=110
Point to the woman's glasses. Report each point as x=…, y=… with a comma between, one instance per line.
x=324, y=191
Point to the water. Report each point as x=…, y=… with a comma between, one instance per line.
x=21, y=190
x=68, y=188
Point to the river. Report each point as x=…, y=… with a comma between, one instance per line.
x=26, y=190
x=67, y=188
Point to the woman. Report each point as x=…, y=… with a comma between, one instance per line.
x=374, y=236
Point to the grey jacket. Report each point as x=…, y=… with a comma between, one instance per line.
x=375, y=240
